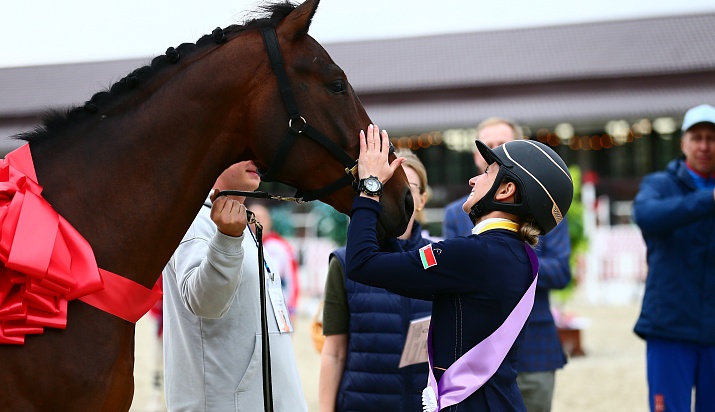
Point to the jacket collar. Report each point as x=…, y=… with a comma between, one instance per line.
x=680, y=170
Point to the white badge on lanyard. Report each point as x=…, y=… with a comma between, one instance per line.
x=280, y=310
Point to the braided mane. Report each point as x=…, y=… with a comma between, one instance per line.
x=57, y=120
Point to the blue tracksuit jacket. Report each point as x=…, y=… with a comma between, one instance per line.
x=677, y=221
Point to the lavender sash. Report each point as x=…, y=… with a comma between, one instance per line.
x=475, y=367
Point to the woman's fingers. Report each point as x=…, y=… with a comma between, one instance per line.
x=374, y=139
x=374, y=150
x=396, y=163
x=373, y=136
x=385, y=142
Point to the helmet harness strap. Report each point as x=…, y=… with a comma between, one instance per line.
x=488, y=204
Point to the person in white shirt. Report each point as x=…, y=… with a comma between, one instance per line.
x=212, y=326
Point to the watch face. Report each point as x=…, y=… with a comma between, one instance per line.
x=372, y=185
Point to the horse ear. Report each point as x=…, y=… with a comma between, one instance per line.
x=296, y=24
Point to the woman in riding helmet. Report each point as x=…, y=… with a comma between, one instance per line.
x=481, y=286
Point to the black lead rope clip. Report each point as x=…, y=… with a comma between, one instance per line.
x=252, y=219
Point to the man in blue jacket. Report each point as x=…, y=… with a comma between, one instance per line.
x=675, y=210
x=541, y=354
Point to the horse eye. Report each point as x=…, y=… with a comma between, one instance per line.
x=337, y=86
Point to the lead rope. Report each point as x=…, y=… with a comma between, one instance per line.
x=265, y=344
x=260, y=195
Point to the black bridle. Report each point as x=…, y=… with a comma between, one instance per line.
x=298, y=126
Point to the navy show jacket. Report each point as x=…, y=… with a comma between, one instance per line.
x=477, y=282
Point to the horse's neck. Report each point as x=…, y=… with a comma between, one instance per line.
x=132, y=188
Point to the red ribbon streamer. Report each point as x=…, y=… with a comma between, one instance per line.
x=45, y=262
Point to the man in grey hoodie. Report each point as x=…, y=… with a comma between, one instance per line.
x=212, y=327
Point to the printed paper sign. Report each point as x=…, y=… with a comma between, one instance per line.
x=415, y=350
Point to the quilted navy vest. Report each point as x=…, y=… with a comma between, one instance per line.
x=379, y=321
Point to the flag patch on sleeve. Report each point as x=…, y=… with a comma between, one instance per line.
x=427, y=256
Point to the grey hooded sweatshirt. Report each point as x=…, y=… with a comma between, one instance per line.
x=212, y=327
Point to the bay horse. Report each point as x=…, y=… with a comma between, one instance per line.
x=130, y=169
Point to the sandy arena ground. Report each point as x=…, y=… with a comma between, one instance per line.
x=609, y=378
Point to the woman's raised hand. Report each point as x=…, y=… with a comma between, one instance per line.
x=374, y=149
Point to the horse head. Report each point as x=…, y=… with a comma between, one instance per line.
x=314, y=111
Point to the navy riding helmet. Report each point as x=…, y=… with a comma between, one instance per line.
x=540, y=174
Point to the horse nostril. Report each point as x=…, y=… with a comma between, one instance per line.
x=409, y=204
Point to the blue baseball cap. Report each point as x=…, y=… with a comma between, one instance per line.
x=698, y=114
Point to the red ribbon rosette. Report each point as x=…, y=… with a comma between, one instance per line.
x=45, y=262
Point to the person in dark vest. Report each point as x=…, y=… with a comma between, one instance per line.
x=482, y=286
x=366, y=327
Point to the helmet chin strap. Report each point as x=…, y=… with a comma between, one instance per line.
x=487, y=203
x=475, y=213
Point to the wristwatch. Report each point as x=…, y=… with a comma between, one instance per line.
x=371, y=186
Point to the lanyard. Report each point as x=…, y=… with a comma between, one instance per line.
x=265, y=264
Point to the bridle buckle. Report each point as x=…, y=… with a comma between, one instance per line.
x=300, y=129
